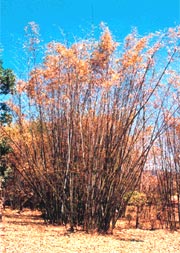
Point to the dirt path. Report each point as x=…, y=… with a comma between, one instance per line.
x=26, y=233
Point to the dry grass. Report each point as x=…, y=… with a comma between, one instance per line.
x=26, y=233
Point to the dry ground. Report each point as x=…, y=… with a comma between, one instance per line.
x=26, y=233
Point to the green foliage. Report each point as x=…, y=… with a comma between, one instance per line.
x=4, y=150
x=6, y=175
x=7, y=82
x=4, y=147
x=5, y=116
x=5, y=169
x=136, y=198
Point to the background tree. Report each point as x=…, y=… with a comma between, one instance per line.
x=138, y=200
x=7, y=81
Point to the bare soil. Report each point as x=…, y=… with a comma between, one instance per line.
x=27, y=233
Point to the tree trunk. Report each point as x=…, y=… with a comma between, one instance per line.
x=137, y=216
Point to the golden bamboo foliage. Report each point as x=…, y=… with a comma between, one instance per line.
x=101, y=55
x=87, y=119
x=133, y=56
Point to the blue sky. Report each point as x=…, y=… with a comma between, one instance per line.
x=75, y=19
